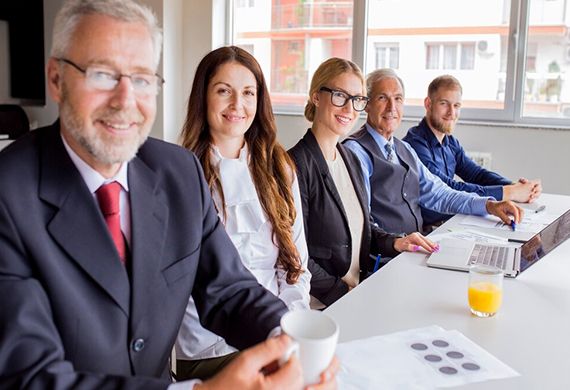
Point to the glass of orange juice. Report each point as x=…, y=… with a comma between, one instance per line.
x=485, y=291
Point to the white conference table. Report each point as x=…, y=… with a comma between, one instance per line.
x=531, y=332
x=4, y=143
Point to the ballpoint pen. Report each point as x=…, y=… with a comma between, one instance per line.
x=377, y=264
x=513, y=225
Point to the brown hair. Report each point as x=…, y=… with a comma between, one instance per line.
x=270, y=165
x=446, y=81
x=327, y=71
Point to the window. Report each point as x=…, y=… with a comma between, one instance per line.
x=453, y=54
x=467, y=60
x=546, y=91
x=478, y=41
x=432, y=56
x=290, y=39
x=387, y=55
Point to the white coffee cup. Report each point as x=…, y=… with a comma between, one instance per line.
x=316, y=335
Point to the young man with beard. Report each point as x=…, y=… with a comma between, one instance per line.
x=443, y=155
x=104, y=234
x=396, y=181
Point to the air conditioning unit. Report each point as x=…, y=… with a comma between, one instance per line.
x=482, y=46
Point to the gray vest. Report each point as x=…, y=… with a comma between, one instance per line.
x=395, y=189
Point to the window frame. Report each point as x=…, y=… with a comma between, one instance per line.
x=512, y=112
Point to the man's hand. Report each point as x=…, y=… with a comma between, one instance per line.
x=505, y=210
x=414, y=242
x=245, y=371
x=524, y=191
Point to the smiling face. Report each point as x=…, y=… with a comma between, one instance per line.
x=386, y=106
x=442, y=110
x=231, y=103
x=105, y=128
x=338, y=121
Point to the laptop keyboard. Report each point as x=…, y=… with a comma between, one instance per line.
x=489, y=255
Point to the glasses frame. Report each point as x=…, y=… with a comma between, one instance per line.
x=335, y=92
x=159, y=82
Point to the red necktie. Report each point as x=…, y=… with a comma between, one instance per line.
x=108, y=197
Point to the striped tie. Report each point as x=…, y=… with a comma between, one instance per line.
x=390, y=155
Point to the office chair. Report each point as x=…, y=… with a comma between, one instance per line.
x=13, y=121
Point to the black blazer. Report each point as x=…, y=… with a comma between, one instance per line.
x=70, y=315
x=326, y=224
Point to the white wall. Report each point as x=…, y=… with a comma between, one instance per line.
x=529, y=152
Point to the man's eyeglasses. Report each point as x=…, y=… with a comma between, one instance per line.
x=105, y=79
x=339, y=99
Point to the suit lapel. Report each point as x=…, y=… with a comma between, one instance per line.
x=149, y=217
x=77, y=225
x=325, y=173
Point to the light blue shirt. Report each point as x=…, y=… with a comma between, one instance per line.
x=434, y=193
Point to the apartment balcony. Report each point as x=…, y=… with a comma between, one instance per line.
x=312, y=15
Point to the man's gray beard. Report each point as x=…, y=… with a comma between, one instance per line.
x=118, y=152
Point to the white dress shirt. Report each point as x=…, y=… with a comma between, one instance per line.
x=94, y=180
x=252, y=234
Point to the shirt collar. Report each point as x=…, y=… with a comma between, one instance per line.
x=430, y=136
x=217, y=156
x=92, y=178
x=380, y=140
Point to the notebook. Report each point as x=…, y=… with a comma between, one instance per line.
x=459, y=255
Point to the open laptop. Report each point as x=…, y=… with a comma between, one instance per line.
x=461, y=254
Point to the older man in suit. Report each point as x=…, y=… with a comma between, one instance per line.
x=396, y=181
x=104, y=233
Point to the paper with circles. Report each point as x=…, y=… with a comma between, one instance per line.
x=423, y=358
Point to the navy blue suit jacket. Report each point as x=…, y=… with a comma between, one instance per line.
x=70, y=315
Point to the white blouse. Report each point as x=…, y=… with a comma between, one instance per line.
x=251, y=232
x=354, y=214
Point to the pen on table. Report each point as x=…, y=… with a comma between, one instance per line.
x=377, y=264
x=539, y=209
x=517, y=241
x=513, y=225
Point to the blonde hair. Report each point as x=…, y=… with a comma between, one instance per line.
x=445, y=81
x=327, y=71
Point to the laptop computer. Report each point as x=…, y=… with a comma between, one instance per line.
x=461, y=254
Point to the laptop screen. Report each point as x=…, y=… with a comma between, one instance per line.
x=545, y=241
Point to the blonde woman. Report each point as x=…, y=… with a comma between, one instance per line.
x=345, y=246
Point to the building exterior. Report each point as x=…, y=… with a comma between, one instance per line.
x=290, y=38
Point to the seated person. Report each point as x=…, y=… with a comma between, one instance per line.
x=252, y=179
x=105, y=232
x=399, y=181
x=340, y=234
x=442, y=154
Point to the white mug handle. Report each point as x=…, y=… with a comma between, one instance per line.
x=293, y=349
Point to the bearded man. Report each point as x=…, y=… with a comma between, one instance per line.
x=396, y=181
x=443, y=155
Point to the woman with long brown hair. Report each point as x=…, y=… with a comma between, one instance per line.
x=231, y=128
